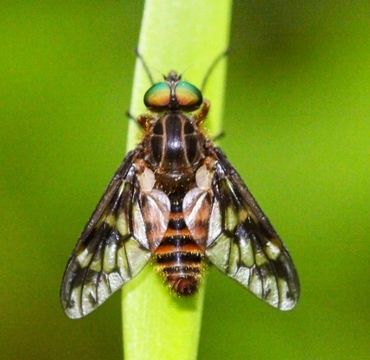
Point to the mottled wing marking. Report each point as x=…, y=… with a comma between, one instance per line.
x=111, y=250
x=197, y=204
x=196, y=207
x=241, y=241
x=156, y=212
x=153, y=210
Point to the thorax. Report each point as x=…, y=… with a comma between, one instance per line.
x=174, y=149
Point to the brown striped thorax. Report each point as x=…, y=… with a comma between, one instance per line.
x=173, y=140
x=177, y=200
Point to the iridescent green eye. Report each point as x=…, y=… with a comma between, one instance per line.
x=158, y=96
x=188, y=96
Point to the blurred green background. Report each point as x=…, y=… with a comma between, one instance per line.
x=297, y=123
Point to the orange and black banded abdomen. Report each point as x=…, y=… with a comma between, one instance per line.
x=179, y=258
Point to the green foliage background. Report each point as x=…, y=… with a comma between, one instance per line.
x=297, y=128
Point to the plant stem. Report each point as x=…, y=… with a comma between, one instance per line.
x=185, y=36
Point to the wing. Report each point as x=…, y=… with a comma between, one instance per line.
x=114, y=245
x=241, y=242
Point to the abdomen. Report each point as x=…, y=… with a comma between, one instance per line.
x=178, y=257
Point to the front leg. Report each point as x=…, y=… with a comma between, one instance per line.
x=201, y=114
x=144, y=120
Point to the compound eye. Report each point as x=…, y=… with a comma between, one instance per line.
x=158, y=96
x=188, y=96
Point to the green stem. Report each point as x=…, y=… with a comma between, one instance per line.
x=185, y=36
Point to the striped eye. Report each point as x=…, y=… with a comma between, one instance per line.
x=158, y=96
x=188, y=96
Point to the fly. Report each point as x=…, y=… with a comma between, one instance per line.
x=177, y=200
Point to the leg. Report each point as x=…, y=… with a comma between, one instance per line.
x=143, y=119
x=130, y=116
x=201, y=114
x=218, y=136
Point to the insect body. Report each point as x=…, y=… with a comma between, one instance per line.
x=175, y=150
x=177, y=200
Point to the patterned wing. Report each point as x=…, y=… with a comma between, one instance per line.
x=247, y=248
x=241, y=241
x=114, y=245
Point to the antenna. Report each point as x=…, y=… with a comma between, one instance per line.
x=146, y=68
